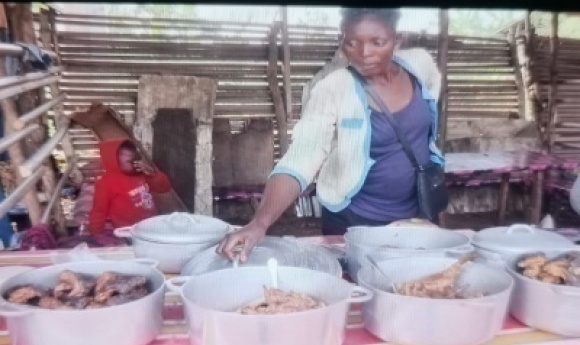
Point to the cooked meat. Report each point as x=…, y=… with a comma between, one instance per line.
x=277, y=301
x=95, y=305
x=560, y=270
x=557, y=268
x=79, y=291
x=110, y=284
x=26, y=294
x=74, y=285
x=533, y=261
x=49, y=302
x=439, y=285
x=128, y=297
x=78, y=302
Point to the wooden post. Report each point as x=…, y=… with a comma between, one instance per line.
x=523, y=76
x=286, y=65
x=513, y=39
x=553, y=96
x=281, y=119
x=442, y=50
x=49, y=39
x=3, y=18
x=17, y=156
x=20, y=18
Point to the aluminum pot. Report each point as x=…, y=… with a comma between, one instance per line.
x=499, y=245
x=174, y=239
x=211, y=301
x=394, y=242
x=288, y=251
x=136, y=323
x=548, y=307
x=424, y=321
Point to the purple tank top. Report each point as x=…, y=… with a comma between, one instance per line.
x=389, y=191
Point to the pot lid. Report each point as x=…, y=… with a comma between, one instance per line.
x=181, y=227
x=288, y=252
x=518, y=238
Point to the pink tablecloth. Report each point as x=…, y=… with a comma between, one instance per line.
x=175, y=330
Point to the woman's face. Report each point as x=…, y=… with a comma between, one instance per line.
x=369, y=44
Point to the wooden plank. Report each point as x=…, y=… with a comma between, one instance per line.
x=286, y=66
x=553, y=78
x=442, y=61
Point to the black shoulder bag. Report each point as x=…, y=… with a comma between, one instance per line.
x=431, y=188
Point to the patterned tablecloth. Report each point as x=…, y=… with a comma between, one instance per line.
x=174, y=329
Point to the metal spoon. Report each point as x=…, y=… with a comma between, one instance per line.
x=376, y=266
x=273, y=267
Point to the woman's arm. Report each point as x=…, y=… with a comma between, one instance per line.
x=280, y=192
x=312, y=137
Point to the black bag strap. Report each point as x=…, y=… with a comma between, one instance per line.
x=372, y=93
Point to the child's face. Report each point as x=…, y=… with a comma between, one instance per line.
x=126, y=159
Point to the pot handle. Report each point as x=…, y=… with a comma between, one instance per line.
x=175, y=217
x=360, y=295
x=460, y=251
x=175, y=284
x=146, y=261
x=524, y=227
x=124, y=232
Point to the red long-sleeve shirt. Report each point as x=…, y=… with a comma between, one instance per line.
x=125, y=199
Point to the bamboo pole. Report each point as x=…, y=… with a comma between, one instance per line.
x=32, y=115
x=286, y=65
x=43, y=152
x=28, y=77
x=27, y=187
x=552, y=98
x=31, y=85
x=442, y=55
x=57, y=190
x=16, y=151
x=49, y=38
x=513, y=41
x=281, y=118
x=13, y=138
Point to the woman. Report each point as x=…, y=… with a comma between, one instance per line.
x=343, y=139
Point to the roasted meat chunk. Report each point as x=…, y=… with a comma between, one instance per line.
x=27, y=294
x=110, y=284
x=440, y=285
x=74, y=285
x=277, y=301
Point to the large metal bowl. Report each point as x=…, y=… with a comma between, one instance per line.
x=549, y=307
x=287, y=250
x=385, y=242
x=211, y=301
x=424, y=321
x=135, y=323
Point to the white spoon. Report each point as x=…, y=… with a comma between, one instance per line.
x=273, y=267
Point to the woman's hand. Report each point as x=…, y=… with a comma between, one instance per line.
x=241, y=242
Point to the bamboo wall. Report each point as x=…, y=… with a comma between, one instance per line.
x=563, y=86
x=105, y=56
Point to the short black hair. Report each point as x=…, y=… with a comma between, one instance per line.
x=390, y=16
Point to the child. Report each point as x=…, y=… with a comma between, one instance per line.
x=123, y=193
